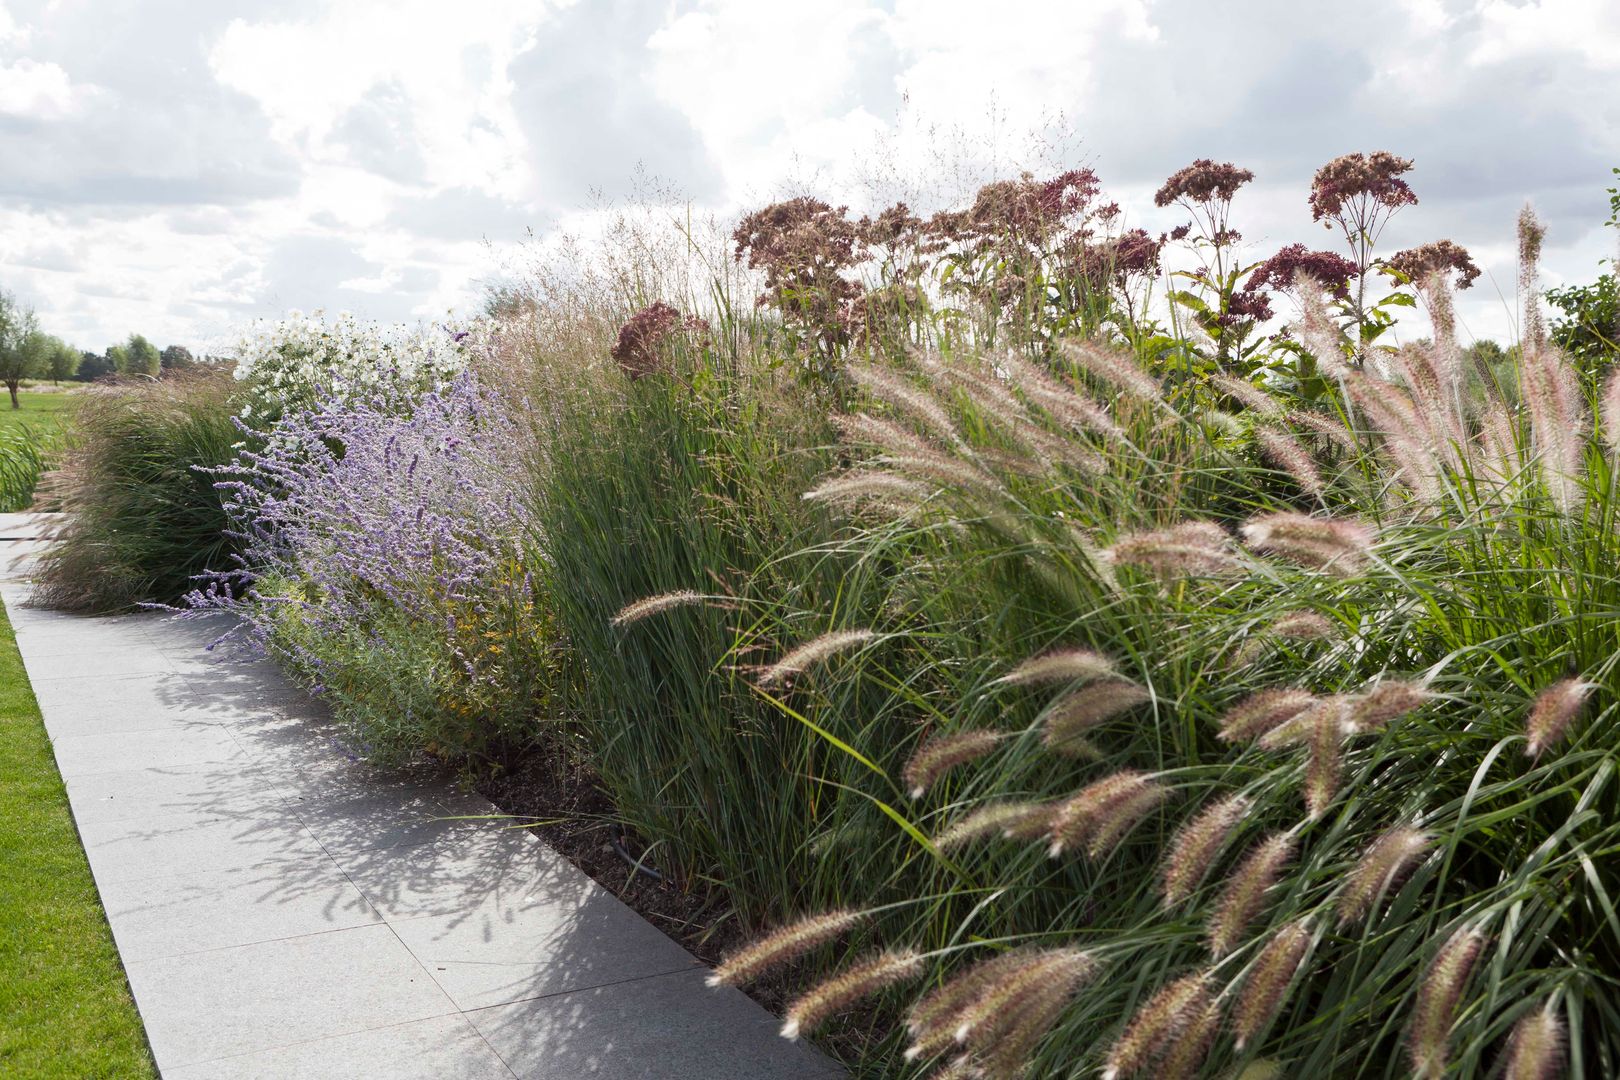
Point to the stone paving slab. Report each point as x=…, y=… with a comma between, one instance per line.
x=284, y=910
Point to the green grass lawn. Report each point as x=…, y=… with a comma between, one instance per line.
x=65, y=1008
x=44, y=412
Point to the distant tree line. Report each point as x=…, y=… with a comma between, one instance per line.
x=27, y=352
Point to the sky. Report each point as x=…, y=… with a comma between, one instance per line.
x=183, y=168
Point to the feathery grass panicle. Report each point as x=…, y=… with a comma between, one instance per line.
x=1007, y=1056
x=1289, y=454
x=1437, y=998
x=1266, y=986
x=807, y=1011
x=942, y=753
x=1264, y=711
x=1531, y=234
x=1251, y=396
x=1389, y=700
x=864, y=485
x=1077, y=712
x=1536, y=1047
x=1323, y=767
x=1558, y=422
x=1100, y=814
x=1118, y=367
x=790, y=941
x=1015, y=820
x=1004, y=1000
x=1555, y=709
x=1326, y=426
x=1067, y=405
x=1303, y=626
x=1059, y=665
x=1191, y=549
x=653, y=605
x=944, y=469
x=1382, y=867
x=1245, y=893
x=1326, y=713
x=891, y=387
x=1188, y=1050
x=811, y=653
x=1316, y=543
x=1609, y=405
x=1198, y=843
x=886, y=435
x=1153, y=1030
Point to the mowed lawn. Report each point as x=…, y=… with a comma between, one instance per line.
x=44, y=412
x=65, y=1008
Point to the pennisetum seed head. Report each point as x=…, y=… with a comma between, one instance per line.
x=860, y=486
x=889, y=386
x=1117, y=367
x=1303, y=626
x=1074, y=714
x=1536, y=1047
x=1437, y=998
x=1610, y=409
x=1189, y=1049
x=1301, y=728
x=812, y=653
x=1059, y=665
x=1289, y=454
x=942, y=753
x=1555, y=709
x=653, y=605
x=829, y=996
x=1260, y=713
x=886, y=435
x=1266, y=986
x=1382, y=867
x=1323, y=767
x=1018, y=820
x=1006, y=1000
x=1198, y=843
x=790, y=941
x=1099, y=815
x=1191, y=549
x=1390, y=699
x=1316, y=543
x=1245, y=893
x=1157, y=1024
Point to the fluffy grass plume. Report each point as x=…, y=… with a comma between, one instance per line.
x=1265, y=988
x=789, y=942
x=1438, y=996
x=1198, y=843
x=1157, y=1026
x=1246, y=891
x=1555, y=709
x=812, y=653
x=1382, y=867
x=806, y=1012
x=942, y=753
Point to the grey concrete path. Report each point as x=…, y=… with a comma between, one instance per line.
x=285, y=911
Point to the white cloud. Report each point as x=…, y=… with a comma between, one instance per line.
x=39, y=91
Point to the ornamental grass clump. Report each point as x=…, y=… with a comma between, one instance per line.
x=1344, y=786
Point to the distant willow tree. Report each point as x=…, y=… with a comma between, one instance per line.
x=18, y=360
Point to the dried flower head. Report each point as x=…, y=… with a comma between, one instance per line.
x=1077, y=712
x=1059, y=665
x=1375, y=177
x=785, y=944
x=938, y=755
x=1382, y=867
x=1266, y=987
x=840, y=991
x=1157, y=1025
x=1318, y=543
x=1245, y=893
x=1203, y=181
x=1555, y=709
x=1437, y=998
x=1536, y=1047
x=1015, y=820
x=1260, y=713
x=653, y=605
x=1191, y=549
x=641, y=347
x=1440, y=257
x=1198, y=843
x=812, y=653
x=1099, y=815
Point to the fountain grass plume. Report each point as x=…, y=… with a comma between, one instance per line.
x=807, y=1012
x=1067, y=720
x=1438, y=996
x=812, y=653
x=1382, y=867
x=1337, y=546
x=1059, y=666
x=647, y=607
x=1101, y=813
x=1262, y=712
x=1536, y=1047
x=1157, y=1024
x=1555, y=710
x=1265, y=987
x=938, y=755
x=1198, y=843
x=1245, y=894
x=1015, y=820
x=787, y=943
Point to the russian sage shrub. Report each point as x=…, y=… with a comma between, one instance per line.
x=381, y=563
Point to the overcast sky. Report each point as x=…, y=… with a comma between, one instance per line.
x=179, y=168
